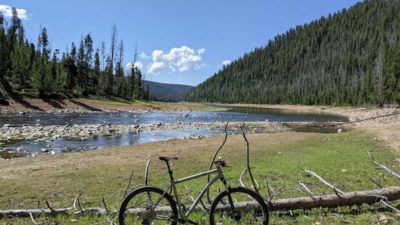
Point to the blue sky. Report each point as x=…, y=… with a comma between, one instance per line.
x=183, y=41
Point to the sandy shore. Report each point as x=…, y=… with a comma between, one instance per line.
x=383, y=123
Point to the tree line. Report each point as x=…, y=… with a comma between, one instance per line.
x=35, y=70
x=351, y=57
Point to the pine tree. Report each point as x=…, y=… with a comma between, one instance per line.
x=3, y=49
x=120, y=71
x=110, y=69
x=96, y=73
x=70, y=69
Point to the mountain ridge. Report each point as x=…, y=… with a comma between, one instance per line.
x=167, y=91
x=350, y=57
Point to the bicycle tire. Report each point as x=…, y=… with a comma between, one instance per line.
x=232, y=191
x=148, y=189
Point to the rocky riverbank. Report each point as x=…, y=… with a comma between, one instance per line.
x=49, y=133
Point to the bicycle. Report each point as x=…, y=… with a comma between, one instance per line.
x=152, y=205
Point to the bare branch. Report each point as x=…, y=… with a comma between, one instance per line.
x=129, y=184
x=76, y=200
x=376, y=183
x=146, y=174
x=215, y=156
x=395, y=174
x=241, y=178
x=48, y=206
x=248, y=157
x=335, y=189
x=271, y=191
x=387, y=204
x=307, y=189
x=105, y=205
x=33, y=220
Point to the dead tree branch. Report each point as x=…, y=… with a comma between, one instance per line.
x=51, y=209
x=129, y=184
x=306, y=189
x=146, y=174
x=105, y=205
x=33, y=220
x=76, y=200
x=241, y=178
x=248, y=157
x=325, y=201
x=215, y=156
x=395, y=174
x=335, y=189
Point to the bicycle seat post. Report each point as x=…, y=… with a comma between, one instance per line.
x=166, y=160
x=170, y=171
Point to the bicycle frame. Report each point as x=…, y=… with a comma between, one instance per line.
x=172, y=185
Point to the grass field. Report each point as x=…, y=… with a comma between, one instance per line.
x=279, y=159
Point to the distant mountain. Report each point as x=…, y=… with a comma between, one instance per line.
x=350, y=57
x=167, y=92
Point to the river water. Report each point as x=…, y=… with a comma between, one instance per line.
x=29, y=148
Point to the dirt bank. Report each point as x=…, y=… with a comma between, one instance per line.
x=10, y=106
x=383, y=123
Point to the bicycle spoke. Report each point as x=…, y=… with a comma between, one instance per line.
x=224, y=212
x=148, y=207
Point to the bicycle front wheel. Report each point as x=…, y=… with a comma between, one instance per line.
x=148, y=206
x=239, y=206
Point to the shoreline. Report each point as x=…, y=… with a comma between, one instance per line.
x=383, y=128
x=95, y=105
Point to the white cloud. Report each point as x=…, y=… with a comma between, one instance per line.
x=201, y=51
x=177, y=59
x=156, y=67
x=226, y=62
x=144, y=56
x=6, y=10
x=138, y=65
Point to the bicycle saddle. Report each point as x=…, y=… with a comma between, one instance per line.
x=166, y=159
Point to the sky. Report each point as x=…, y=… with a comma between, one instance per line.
x=177, y=41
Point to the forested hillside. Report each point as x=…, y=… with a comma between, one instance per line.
x=36, y=70
x=167, y=92
x=351, y=57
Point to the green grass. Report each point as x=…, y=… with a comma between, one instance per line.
x=279, y=159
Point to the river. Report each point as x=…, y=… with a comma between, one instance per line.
x=23, y=148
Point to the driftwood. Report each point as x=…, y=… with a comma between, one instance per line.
x=326, y=201
x=335, y=189
x=395, y=174
x=303, y=185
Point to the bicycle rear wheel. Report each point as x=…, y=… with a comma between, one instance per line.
x=248, y=208
x=148, y=206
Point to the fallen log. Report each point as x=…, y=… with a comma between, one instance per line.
x=325, y=201
x=333, y=200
